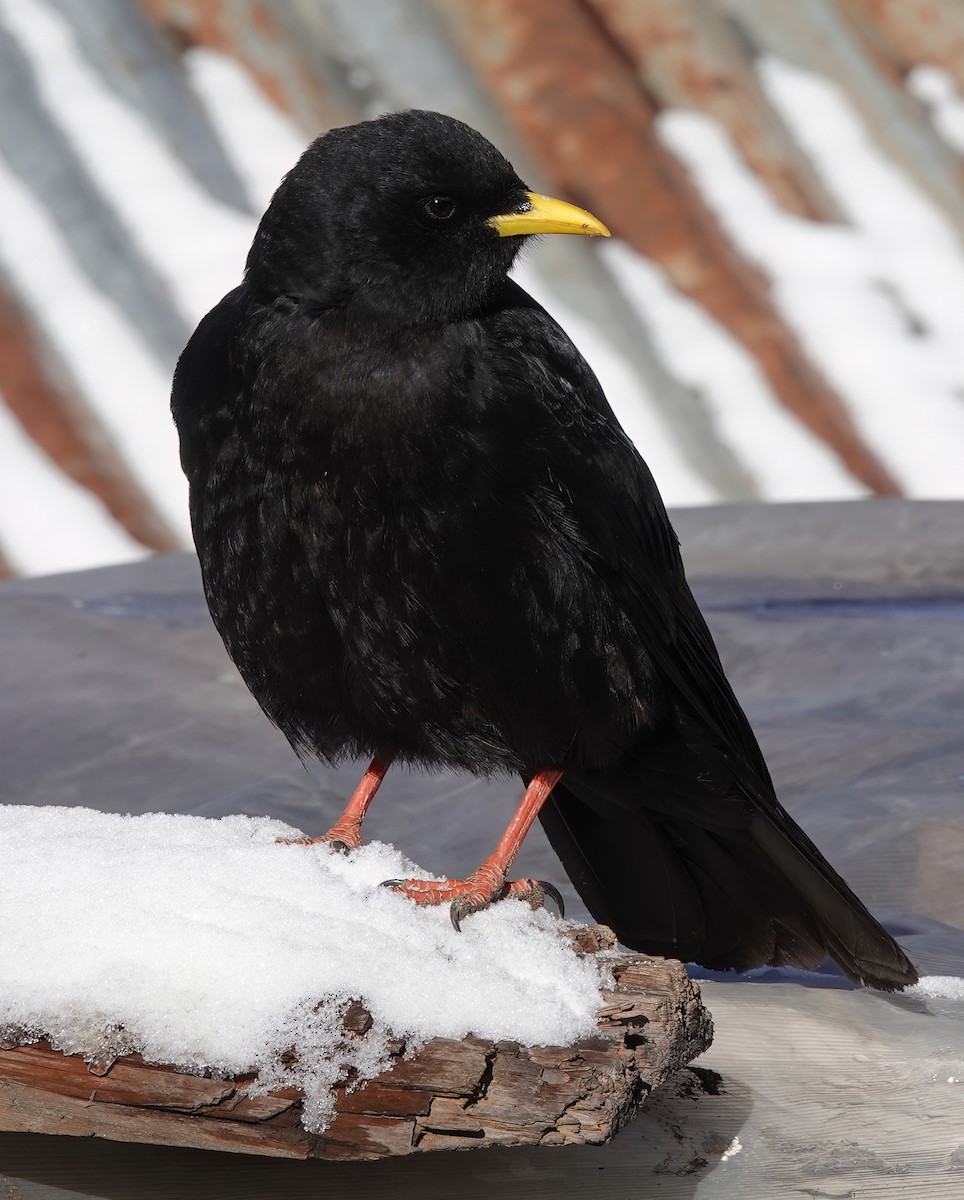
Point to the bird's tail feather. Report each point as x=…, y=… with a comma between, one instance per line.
x=853, y=938
x=727, y=898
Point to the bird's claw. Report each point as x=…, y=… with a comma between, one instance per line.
x=535, y=892
x=467, y=897
x=552, y=892
x=465, y=905
x=341, y=841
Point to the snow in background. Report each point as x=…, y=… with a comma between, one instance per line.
x=879, y=304
x=46, y=502
x=935, y=89
x=261, y=141
x=788, y=462
x=119, y=378
x=197, y=244
x=205, y=944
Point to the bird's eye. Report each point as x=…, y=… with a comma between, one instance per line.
x=440, y=208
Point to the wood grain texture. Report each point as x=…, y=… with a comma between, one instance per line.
x=450, y=1095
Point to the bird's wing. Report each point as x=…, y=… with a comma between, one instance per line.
x=700, y=840
x=631, y=546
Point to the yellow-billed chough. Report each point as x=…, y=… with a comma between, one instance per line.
x=425, y=538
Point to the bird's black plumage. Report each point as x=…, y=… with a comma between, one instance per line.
x=424, y=534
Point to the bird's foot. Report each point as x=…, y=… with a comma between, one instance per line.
x=345, y=834
x=478, y=891
x=343, y=837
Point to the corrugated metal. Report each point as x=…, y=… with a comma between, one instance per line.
x=296, y=64
x=909, y=32
x=690, y=56
x=578, y=106
x=36, y=386
x=571, y=88
x=817, y=35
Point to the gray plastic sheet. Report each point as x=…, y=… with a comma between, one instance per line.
x=842, y=627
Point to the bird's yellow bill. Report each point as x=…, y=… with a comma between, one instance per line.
x=546, y=215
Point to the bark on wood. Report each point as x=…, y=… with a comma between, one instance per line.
x=451, y=1095
x=590, y=124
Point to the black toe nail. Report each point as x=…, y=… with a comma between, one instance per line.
x=554, y=895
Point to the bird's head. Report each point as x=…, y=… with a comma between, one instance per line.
x=413, y=217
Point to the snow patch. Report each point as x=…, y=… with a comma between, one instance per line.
x=119, y=379
x=261, y=141
x=204, y=241
x=877, y=303
x=935, y=89
x=787, y=461
x=938, y=987
x=37, y=502
x=206, y=945
x=732, y=1150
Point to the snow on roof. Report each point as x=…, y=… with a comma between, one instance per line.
x=876, y=302
x=206, y=945
x=35, y=539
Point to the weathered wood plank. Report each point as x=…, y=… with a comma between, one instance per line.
x=450, y=1095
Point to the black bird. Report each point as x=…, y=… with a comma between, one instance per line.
x=425, y=538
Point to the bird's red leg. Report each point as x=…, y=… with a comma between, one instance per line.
x=346, y=832
x=488, y=882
